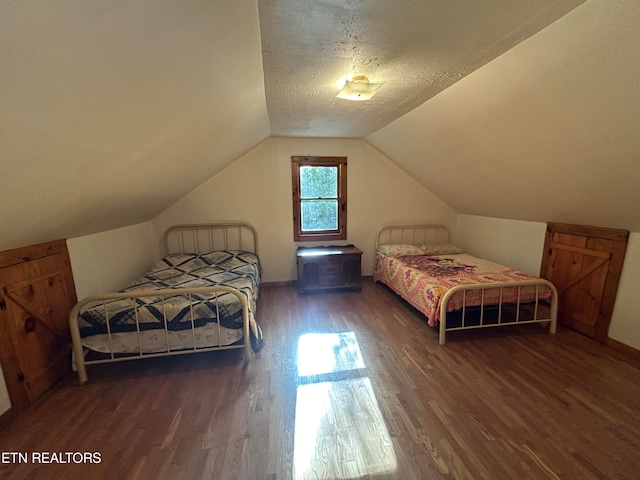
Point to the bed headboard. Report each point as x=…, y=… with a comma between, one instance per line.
x=207, y=237
x=413, y=234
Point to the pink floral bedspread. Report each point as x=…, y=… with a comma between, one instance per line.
x=422, y=280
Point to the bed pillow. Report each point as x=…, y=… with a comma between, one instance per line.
x=399, y=249
x=441, y=249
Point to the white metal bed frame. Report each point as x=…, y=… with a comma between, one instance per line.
x=419, y=234
x=192, y=238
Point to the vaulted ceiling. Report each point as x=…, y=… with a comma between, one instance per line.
x=112, y=111
x=549, y=131
x=417, y=48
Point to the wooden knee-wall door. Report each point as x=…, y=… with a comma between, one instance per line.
x=36, y=295
x=584, y=263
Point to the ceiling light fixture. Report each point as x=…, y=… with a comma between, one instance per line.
x=359, y=88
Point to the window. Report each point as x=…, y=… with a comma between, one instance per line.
x=319, y=198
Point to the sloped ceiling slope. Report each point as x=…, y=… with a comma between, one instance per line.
x=417, y=48
x=111, y=110
x=549, y=131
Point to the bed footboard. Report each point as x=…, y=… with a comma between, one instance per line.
x=532, y=304
x=78, y=349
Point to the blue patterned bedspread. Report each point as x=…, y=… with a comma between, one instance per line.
x=236, y=269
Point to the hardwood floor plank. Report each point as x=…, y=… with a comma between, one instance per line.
x=385, y=401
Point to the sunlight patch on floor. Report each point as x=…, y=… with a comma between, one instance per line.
x=339, y=429
x=323, y=353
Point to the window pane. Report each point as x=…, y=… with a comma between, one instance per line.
x=319, y=198
x=319, y=214
x=318, y=182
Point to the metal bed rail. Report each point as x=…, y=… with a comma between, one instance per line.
x=412, y=234
x=76, y=339
x=540, y=315
x=208, y=237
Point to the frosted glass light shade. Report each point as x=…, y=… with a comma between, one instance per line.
x=359, y=88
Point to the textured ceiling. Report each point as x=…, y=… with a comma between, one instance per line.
x=549, y=131
x=417, y=47
x=112, y=111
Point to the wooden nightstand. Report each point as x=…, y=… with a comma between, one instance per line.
x=327, y=268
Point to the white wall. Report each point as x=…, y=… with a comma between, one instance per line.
x=548, y=131
x=520, y=244
x=112, y=113
x=257, y=188
x=625, y=322
x=5, y=403
x=509, y=242
x=107, y=261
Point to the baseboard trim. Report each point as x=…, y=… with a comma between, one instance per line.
x=291, y=283
x=294, y=283
x=7, y=417
x=623, y=348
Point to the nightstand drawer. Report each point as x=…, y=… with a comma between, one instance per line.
x=331, y=280
x=333, y=259
x=331, y=269
x=328, y=268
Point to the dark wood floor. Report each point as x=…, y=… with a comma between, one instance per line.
x=349, y=385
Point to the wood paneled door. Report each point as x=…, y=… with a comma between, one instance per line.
x=36, y=295
x=584, y=263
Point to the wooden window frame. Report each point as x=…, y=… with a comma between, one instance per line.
x=319, y=235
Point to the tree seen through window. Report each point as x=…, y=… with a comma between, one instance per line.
x=319, y=198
